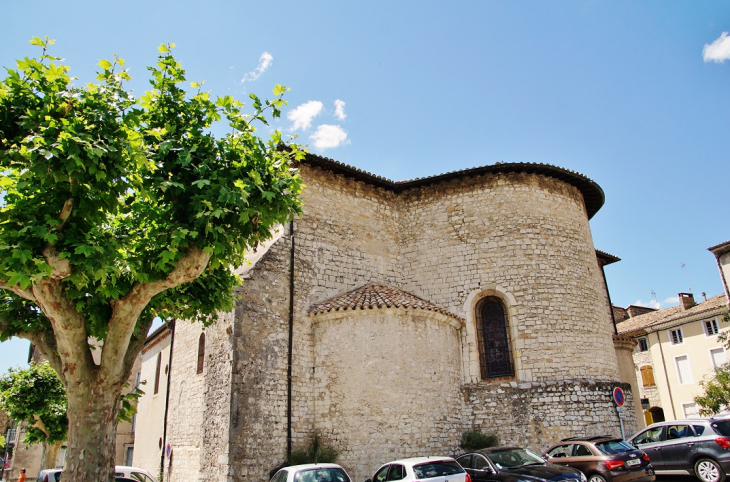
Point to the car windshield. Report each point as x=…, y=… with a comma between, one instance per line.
x=515, y=458
x=439, y=468
x=331, y=474
x=613, y=447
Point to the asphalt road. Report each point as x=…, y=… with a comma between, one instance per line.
x=676, y=478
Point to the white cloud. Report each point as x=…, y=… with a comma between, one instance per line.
x=649, y=304
x=302, y=116
x=717, y=51
x=340, y=109
x=327, y=136
x=264, y=63
x=658, y=305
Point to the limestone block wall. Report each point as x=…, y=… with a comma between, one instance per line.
x=539, y=414
x=258, y=397
x=530, y=236
x=386, y=385
x=185, y=418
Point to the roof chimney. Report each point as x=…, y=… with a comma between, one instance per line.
x=687, y=299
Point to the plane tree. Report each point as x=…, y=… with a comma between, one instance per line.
x=115, y=210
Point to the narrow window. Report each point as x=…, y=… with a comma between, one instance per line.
x=684, y=370
x=157, y=373
x=676, y=337
x=718, y=357
x=643, y=344
x=711, y=327
x=201, y=352
x=495, y=353
x=647, y=376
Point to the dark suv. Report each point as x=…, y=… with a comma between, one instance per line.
x=697, y=446
x=603, y=458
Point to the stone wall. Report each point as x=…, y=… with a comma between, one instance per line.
x=539, y=414
x=386, y=385
x=523, y=238
x=186, y=418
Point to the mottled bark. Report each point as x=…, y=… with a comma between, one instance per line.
x=92, y=416
x=49, y=456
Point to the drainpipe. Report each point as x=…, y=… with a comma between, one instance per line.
x=291, y=344
x=171, y=327
x=666, y=375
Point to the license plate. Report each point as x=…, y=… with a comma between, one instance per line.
x=631, y=463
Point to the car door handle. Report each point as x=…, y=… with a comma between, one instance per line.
x=690, y=444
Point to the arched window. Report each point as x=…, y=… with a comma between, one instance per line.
x=201, y=352
x=495, y=350
x=647, y=376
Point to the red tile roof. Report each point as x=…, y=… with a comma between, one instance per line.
x=373, y=296
x=674, y=316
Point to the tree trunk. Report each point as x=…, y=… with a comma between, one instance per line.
x=50, y=454
x=92, y=428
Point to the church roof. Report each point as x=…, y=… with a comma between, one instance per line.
x=373, y=296
x=673, y=316
x=592, y=193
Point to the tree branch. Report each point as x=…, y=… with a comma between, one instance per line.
x=127, y=310
x=23, y=293
x=69, y=330
x=40, y=425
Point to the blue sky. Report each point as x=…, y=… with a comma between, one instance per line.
x=617, y=90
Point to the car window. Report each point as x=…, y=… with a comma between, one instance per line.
x=679, y=431
x=649, y=436
x=560, y=451
x=381, y=475
x=515, y=457
x=320, y=474
x=480, y=463
x=138, y=476
x=722, y=428
x=580, y=450
x=397, y=472
x=280, y=476
x=439, y=468
x=699, y=429
x=465, y=461
x=613, y=447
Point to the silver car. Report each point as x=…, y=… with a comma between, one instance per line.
x=699, y=446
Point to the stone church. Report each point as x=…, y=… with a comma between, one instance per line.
x=392, y=318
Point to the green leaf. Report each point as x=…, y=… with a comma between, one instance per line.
x=105, y=64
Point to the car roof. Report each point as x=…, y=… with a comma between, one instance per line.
x=593, y=438
x=419, y=460
x=494, y=449
x=311, y=466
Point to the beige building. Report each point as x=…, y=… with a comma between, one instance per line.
x=677, y=348
x=392, y=318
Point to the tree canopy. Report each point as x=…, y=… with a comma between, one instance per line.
x=116, y=209
x=36, y=396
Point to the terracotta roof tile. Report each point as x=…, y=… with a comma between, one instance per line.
x=373, y=296
x=674, y=316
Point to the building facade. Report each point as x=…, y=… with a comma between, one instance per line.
x=677, y=348
x=395, y=316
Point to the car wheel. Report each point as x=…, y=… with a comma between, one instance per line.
x=707, y=470
x=596, y=478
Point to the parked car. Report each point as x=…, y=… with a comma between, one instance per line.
x=512, y=464
x=433, y=469
x=698, y=446
x=603, y=458
x=120, y=471
x=311, y=473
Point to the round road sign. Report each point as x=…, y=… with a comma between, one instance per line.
x=618, y=396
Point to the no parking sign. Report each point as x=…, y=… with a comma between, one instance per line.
x=618, y=396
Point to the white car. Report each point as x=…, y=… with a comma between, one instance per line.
x=134, y=473
x=312, y=473
x=433, y=469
